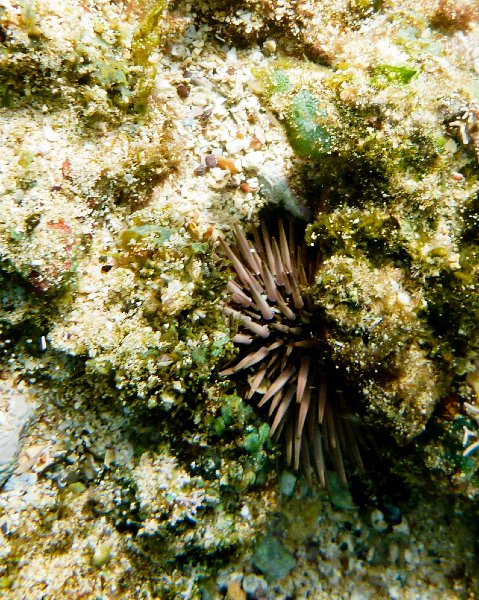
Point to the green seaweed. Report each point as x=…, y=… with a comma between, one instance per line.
x=390, y=281
x=387, y=74
x=254, y=441
x=246, y=439
x=279, y=82
x=146, y=39
x=147, y=36
x=306, y=126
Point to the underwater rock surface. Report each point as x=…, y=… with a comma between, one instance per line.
x=133, y=135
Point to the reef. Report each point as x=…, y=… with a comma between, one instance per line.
x=388, y=156
x=136, y=134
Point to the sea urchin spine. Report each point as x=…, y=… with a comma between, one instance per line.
x=282, y=350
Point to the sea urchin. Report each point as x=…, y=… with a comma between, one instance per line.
x=282, y=350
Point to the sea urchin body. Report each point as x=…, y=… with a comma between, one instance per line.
x=282, y=354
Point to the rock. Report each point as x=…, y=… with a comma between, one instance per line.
x=235, y=592
x=255, y=586
x=225, y=577
x=377, y=520
x=273, y=559
x=16, y=411
x=287, y=481
x=339, y=492
x=102, y=555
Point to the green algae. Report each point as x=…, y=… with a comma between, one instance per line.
x=176, y=332
x=367, y=231
x=109, y=68
x=395, y=282
x=306, y=118
x=385, y=74
x=307, y=134
x=246, y=441
x=278, y=83
x=150, y=33
x=255, y=440
x=157, y=235
x=378, y=197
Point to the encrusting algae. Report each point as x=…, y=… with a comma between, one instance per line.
x=136, y=135
x=394, y=196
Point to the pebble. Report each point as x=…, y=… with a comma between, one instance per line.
x=402, y=528
x=43, y=148
x=18, y=195
x=178, y=50
x=90, y=469
x=200, y=99
x=270, y=46
x=392, y=514
x=210, y=160
x=225, y=577
x=200, y=169
x=20, y=483
x=377, y=520
x=404, y=298
x=76, y=488
x=194, y=78
x=162, y=84
x=231, y=55
x=340, y=495
x=273, y=559
x=245, y=512
x=393, y=553
x=218, y=174
x=183, y=91
x=255, y=586
x=102, y=555
x=287, y=482
x=14, y=416
x=235, y=592
x=226, y=164
x=253, y=160
x=237, y=145
x=409, y=556
x=238, y=203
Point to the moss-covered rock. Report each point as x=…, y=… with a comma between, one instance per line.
x=393, y=183
x=97, y=58
x=160, y=331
